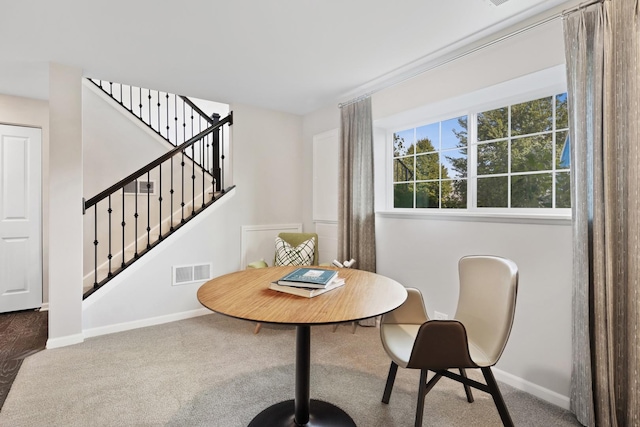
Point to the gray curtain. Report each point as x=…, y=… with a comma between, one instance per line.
x=356, y=218
x=603, y=72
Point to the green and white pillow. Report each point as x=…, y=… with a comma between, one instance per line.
x=300, y=255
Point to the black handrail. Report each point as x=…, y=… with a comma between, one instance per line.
x=198, y=110
x=117, y=186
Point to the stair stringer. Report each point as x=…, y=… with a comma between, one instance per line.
x=143, y=295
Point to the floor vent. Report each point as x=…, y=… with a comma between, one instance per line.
x=185, y=274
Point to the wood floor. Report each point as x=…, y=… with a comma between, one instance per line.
x=22, y=333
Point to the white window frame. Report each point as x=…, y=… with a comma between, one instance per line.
x=537, y=85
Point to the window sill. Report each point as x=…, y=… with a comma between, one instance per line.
x=500, y=217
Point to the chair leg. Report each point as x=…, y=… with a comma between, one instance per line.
x=422, y=391
x=393, y=369
x=354, y=325
x=497, y=397
x=257, y=329
x=467, y=389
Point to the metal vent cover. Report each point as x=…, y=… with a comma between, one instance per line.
x=185, y=274
x=498, y=2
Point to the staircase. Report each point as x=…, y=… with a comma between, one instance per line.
x=137, y=213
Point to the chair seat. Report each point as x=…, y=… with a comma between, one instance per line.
x=478, y=356
x=398, y=341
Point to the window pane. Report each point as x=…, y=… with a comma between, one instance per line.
x=432, y=134
x=427, y=194
x=427, y=166
x=493, y=124
x=531, y=154
x=561, y=140
x=531, y=191
x=563, y=190
x=493, y=192
x=403, y=169
x=493, y=158
x=562, y=115
x=403, y=195
x=425, y=145
x=454, y=194
x=403, y=143
x=454, y=163
x=532, y=117
x=454, y=133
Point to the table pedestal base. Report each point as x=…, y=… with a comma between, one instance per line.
x=321, y=414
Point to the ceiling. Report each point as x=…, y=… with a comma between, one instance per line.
x=288, y=55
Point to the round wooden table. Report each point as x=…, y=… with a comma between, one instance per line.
x=246, y=295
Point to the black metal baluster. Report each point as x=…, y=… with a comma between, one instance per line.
x=167, y=116
x=148, y=211
x=216, y=156
x=109, y=256
x=160, y=202
x=121, y=97
x=193, y=171
x=184, y=134
x=95, y=245
x=140, y=101
x=222, y=159
x=123, y=224
x=149, y=123
x=175, y=110
x=131, y=98
x=159, y=126
x=135, y=216
x=111, y=89
x=202, y=169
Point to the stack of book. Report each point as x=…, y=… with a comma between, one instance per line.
x=308, y=282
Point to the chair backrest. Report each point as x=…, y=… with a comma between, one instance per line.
x=486, y=305
x=294, y=239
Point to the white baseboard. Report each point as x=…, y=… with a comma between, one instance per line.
x=44, y=306
x=533, y=389
x=64, y=341
x=126, y=326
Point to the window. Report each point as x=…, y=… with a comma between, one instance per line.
x=514, y=159
x=430, y=165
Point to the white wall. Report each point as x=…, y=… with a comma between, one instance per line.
x=65, y=213
x=423, y=252
x=34, y=113
x=114, y=144
x=268, y=165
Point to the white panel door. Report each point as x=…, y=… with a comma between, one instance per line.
x=20, y=218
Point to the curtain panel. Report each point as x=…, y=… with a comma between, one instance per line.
x=601, y=44
x=356, y=216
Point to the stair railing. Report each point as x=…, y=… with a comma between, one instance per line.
x=174, y=118
x=136, y=235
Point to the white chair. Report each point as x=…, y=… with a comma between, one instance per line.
x=475, y=338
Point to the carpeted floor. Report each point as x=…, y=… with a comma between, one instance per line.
x=213, y=371
x=22, y=333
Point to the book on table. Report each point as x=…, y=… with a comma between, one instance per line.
x=308, y=278
x=307, y=292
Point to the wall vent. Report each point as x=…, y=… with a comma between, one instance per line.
x=186, y=274
x=143, y=187
x=498, y=2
